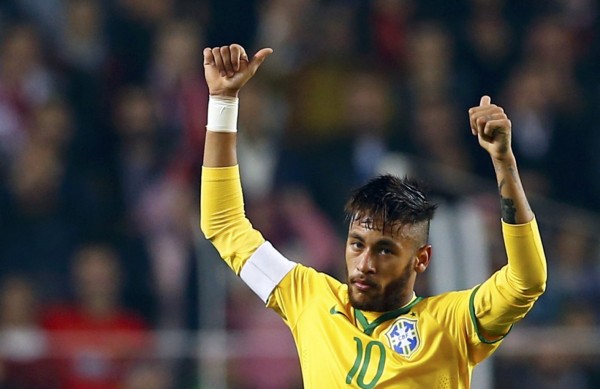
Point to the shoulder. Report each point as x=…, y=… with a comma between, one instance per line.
x=451, y=301
x=305, y=287
x=304, y=276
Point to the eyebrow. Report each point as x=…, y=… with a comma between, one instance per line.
x=381, y=241
x=355, y=236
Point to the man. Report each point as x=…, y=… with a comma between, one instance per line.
x=372, y=331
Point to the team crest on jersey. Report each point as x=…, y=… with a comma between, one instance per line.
x=404, y=337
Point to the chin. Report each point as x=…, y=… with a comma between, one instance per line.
x=363, y=303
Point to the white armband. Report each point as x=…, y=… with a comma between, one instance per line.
x=265, y=269
x=222, y=114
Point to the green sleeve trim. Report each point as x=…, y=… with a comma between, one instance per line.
x=482, y=339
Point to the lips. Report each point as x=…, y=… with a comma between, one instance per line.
x=363, y=285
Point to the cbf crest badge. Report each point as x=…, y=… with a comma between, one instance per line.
x=404, y=337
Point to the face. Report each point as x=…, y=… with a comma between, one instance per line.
x=382, y=265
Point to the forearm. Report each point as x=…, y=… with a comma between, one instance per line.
x=515, y=208
x=220, y=149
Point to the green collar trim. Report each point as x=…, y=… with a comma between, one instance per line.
x=368, y=328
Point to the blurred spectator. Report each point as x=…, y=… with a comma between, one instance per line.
x=177, y=85
x=145, y=148
x=489, y=45
x=157, y=200
x=545, y=101
x=554, y=368
x=390, y=22
x=94, y=337
x=283, y=27
x=47, y=14
x=439, y=136
x=431, y=58
x=44, y=201
x=25, y=83
x=82, y=42
x=573, y=266
x=148, y=375
x=131, y=31
x=24, y=358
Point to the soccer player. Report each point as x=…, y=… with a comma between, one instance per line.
x=372, y=331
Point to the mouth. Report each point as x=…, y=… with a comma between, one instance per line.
x=363, y=285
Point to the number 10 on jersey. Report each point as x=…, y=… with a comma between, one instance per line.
x=362, y=362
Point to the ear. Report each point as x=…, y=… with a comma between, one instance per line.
x=423, y=257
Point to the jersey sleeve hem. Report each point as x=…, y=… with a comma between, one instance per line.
x=220, y=173
x=480, y=336
x=265, y=269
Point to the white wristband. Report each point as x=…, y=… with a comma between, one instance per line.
x=222, y=114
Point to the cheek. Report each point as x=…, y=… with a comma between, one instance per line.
x=349, y=260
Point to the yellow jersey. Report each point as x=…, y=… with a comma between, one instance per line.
x=432, y=342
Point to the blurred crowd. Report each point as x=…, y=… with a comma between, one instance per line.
x=102, y=121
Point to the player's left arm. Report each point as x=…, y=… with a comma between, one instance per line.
x=508, y=295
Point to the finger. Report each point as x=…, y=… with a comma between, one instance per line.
x=237, y=55
x=216, y=51
x=480, y=124
x=478, y=116
x=493, y=126
x=485, y=100
x=226, y=56
x=209, y=59
x=259, y=58
x=481, y=119
x=472, y=121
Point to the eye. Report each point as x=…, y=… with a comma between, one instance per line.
x=356, y=245
x=386, y=250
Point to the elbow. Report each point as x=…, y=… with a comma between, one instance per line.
x=206, y=231
x=538, y=288
x=205, y=227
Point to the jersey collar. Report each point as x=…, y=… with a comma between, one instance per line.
x=368, y=328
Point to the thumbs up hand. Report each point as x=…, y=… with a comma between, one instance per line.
x=227, y=68
x=492, y=128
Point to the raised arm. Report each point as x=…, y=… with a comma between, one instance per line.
x=511, y=292
x=226, y=69
x=493, y=130
x=222, y=216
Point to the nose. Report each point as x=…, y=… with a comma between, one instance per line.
x=365, y=263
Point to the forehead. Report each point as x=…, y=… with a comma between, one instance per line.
x=394, y=231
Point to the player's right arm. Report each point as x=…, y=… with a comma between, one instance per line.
x=222, y=216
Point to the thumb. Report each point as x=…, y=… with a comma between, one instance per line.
x=259, y=58
x=485, y=100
